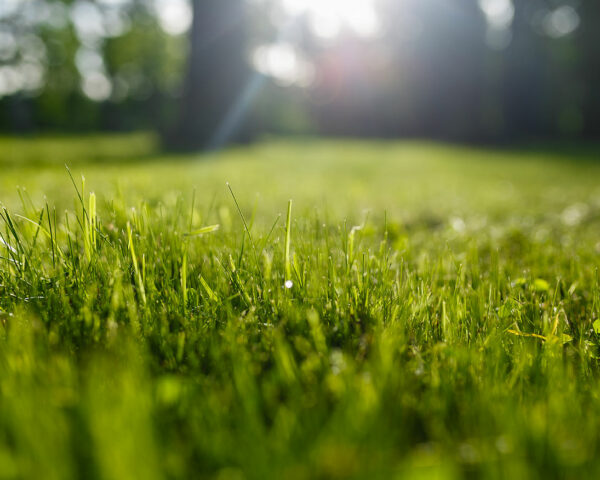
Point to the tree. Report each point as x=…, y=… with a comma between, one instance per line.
x=216, y=76
x=88, y=65
x=588, y=40
x=525, y=94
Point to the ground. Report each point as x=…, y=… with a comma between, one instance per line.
x=441, y=319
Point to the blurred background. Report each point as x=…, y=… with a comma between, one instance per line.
x=204, y=73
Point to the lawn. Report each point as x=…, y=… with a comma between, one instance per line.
x=298, y=309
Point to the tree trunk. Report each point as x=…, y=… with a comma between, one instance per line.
x=216, y=76
x=525, y=85
x=588, y=40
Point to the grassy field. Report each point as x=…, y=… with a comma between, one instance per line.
x=417, y=311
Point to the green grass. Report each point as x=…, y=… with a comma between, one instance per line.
x=442, y=320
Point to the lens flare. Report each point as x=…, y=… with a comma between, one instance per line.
x=328, y=19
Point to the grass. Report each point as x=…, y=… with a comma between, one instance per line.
x=441, y=320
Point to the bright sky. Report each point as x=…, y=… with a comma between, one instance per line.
x=328, y=18
x=175, y=16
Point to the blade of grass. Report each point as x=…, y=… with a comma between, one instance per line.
x=135, y=264
x=288, y=237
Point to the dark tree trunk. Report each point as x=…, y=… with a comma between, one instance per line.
x=525, y=87
x=588, y=38
x=216, y=76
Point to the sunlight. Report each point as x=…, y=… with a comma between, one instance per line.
x=328, y=19
x=284, y=63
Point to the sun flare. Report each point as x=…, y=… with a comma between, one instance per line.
x=329, y=18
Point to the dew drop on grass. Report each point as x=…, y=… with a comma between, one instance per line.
x=288, y=284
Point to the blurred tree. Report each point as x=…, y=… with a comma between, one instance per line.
x=424, y=77
x=429, y=71
x=524, y=78
x=588, y=43
x=444, y=70
x=86, y=65
x=217, y=75
x=146, y=67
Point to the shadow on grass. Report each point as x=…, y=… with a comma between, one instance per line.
x=145, y=148
x=76, y=150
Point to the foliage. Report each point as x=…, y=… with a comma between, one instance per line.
x=466, y=70
x=86, y=65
